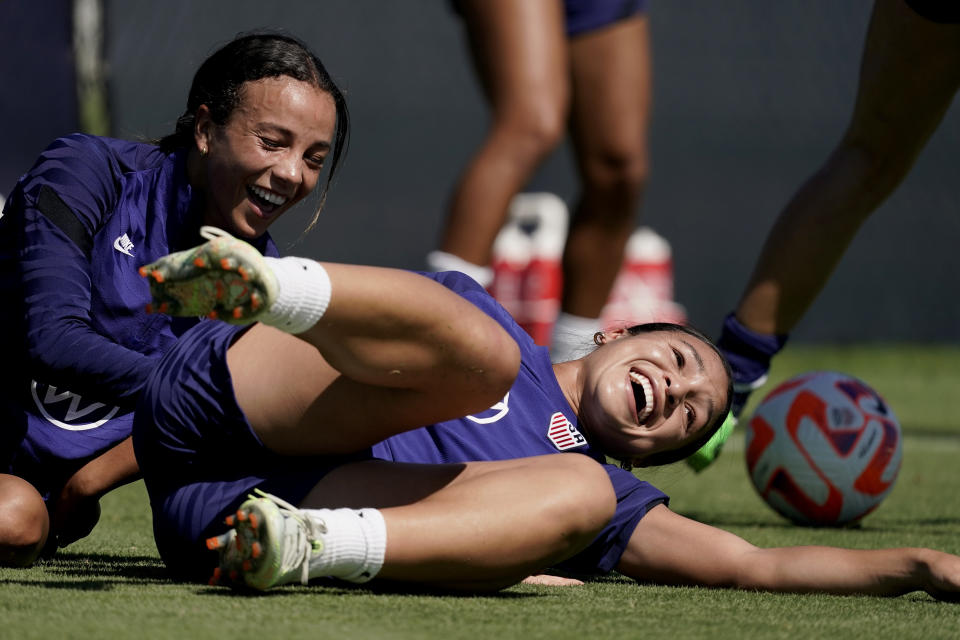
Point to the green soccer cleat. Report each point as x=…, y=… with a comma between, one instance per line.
x=224, y=278
x=228, y=571
x=271, y=544
x=709, y=452
x=705, y=455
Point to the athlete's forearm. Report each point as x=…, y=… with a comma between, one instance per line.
x=111, y=469
x=666, y=548
x=880, y=572
x=75, y=512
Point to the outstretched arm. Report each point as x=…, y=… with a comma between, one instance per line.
x=667, y=548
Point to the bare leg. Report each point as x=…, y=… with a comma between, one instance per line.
x=393, y=351
x=909, y=75
x=24, y=522
x=611, y=109
x=520, y=52
x=479, y=525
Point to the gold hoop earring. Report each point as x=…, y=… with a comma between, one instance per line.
x=598, y=338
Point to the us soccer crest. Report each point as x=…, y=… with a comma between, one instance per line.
x=563, y=434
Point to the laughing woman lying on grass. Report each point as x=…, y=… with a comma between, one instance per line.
x=323, y=422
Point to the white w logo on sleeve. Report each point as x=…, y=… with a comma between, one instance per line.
x=500, y=410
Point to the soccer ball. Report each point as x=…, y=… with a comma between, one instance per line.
x=823, y=449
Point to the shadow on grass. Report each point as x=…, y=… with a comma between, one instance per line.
x=103, y=572
x=90, y=571
x=331, y=587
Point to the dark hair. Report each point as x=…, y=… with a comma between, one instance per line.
x=675, y=455
x=218, y=84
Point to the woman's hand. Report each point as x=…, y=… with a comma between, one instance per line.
x=551, y=581
x=76, y=511
x=943, y=575
x=73, y=515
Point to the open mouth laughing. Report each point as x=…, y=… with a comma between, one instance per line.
x=267, y=201
x=642, y=394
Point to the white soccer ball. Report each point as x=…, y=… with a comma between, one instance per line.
x=823, y=449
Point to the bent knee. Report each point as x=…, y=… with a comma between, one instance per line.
x=496, y=361
x=533, y=130
x=596, y=489
x=588, y=500
x=616, y=174
x=877, y=161
x=24, y=523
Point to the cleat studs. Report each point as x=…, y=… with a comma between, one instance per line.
x=220, y=290
x=213, y=315
x=200, y=262
x=255, y=550
x=157, y=276
x=234, y=574
x=229, y=520
x=247, y=565
x=241, y=515
x=238, y=312
x=149, y=308
x=254, y=521
x=255, y=301
x=163, y=308
x=143, y=271
x=243, y=274
x=213, y=543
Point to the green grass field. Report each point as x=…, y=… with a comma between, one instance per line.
x=112, y=584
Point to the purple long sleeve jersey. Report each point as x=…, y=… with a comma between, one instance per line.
x=76, y=339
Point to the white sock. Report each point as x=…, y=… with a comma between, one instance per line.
x=302, y=297
x=443, y=261
x=572, y=337
x=353, y=546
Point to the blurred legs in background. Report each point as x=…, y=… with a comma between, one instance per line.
x=544, y=71
x=909, y=74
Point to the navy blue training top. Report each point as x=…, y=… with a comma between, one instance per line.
x=75, y=337
x=534, y=418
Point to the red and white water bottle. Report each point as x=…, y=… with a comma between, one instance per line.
x=527, y=279
x=544, y=216
x=511, y=255
x=643, y=290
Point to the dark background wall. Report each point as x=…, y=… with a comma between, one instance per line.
x=749, y=98
x=37, y=101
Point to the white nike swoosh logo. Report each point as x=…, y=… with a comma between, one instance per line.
x=119, y=247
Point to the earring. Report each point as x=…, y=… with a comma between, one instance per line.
x=599, y=338
x=203, y=152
